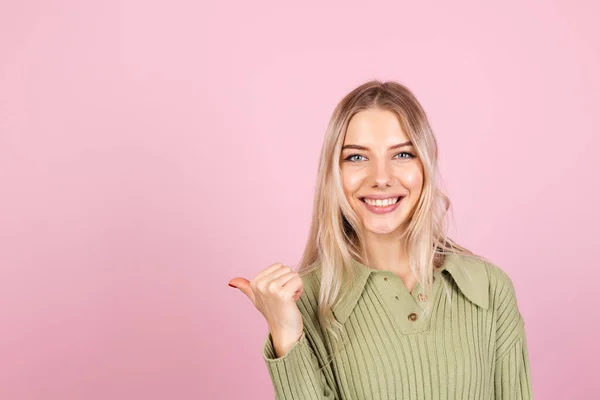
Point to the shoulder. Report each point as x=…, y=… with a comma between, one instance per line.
x=509, y=322
x=481, y=268
x=482, y=281
x=502, y=289
x=481, y=271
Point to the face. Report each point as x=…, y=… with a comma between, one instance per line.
x=374, y=167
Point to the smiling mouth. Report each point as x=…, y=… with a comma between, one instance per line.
x=387, y=203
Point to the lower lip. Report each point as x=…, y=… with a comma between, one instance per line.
x=382, y=210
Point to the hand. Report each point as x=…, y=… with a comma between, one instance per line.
x=274, y=292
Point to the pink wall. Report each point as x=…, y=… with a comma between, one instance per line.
x=150, y=151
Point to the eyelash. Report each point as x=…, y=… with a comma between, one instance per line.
x=402, y=152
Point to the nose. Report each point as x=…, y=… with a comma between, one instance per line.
x=382, y=174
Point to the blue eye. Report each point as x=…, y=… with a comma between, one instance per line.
x=350, y=157
x=410, y=155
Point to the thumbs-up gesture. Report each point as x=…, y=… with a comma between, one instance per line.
x=274, y=292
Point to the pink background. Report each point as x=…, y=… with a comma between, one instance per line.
x=151, y=151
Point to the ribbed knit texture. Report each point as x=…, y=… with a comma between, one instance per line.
x=472, y=346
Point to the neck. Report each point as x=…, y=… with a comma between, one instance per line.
x=387, y=252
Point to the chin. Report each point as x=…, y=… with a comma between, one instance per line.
x=378, y=229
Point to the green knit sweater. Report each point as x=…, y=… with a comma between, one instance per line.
x=471, y=346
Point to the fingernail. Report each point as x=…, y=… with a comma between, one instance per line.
x=232, y=285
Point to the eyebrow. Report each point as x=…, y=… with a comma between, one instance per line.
x=358, y=147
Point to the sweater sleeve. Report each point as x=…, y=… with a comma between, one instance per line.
x=512, y=380
x=512, y=377
x=296, y=375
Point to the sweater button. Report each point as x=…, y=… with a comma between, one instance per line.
x=422, y=297
x=412, y=317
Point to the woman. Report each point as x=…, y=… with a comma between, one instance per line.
x=384, y=305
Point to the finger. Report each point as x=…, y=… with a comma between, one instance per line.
x=294, y=287
x=298, y=293
x=244, y=285
x=283, y=270
x=268, y=281
x=237, y=282
x=290, y=283
x=267, y=271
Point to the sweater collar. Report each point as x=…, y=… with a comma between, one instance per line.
x=468, y=272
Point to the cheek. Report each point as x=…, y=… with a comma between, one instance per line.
x=413, y=179
x=351, y=183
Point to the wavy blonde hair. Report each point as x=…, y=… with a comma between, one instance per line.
x=336, y=233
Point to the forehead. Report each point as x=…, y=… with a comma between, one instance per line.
x=375, y=126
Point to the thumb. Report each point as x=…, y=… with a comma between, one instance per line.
x=244, y=285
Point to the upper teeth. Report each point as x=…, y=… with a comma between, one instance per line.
x=381, y=203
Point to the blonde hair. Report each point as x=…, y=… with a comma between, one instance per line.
x=335, y=235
